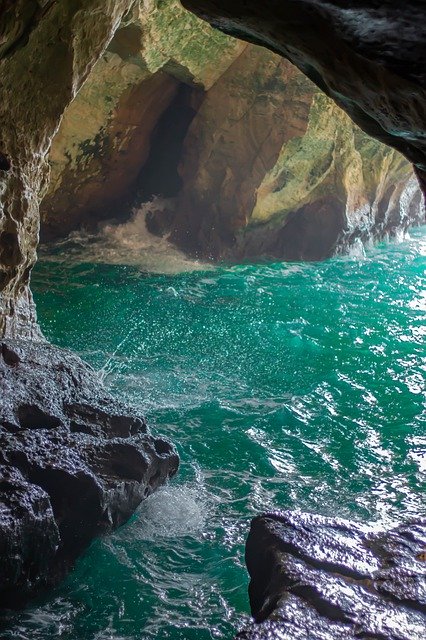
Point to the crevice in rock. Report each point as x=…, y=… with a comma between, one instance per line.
x=5, y=164
x=160, y=175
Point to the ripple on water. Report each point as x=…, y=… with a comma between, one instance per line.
x=298, y=386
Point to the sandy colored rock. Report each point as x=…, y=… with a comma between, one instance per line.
x=48, y=49
x=272, y=167
x=105, y=136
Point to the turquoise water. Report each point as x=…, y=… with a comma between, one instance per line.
x=282, y=385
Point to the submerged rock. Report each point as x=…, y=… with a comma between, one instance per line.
x=324, y=579
x=74, y=464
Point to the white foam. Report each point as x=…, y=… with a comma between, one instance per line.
x=130, y=243
x=357, y=250
x=411, y=190
x=171, y=512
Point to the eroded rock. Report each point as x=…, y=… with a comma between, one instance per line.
x=260, y=162
x=367, y=55
x=47, y=49
x=271, y=167
x=105, y=137
x=324, y=578
x=74, y=464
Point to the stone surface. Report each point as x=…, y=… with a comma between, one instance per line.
x=367, y=55
x=105, y=136
x=323, y=578
x=74, y=464
x=47, y=49
x=272, y=167
x=260, y=162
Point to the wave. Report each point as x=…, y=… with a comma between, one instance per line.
x=129, y=243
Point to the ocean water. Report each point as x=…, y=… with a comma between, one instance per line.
x=295, y=386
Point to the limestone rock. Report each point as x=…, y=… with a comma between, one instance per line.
x=367, y=55
x=105, y=136
x=323, y=578
x=47, y=49
x=272, y=167
x=74, y=464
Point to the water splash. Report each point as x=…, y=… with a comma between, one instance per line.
x=129, y=243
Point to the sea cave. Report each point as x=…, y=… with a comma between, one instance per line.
x=212, y=320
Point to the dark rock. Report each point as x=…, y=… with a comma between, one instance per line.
x=74, y=464
x=324, y=579
x=368, y=55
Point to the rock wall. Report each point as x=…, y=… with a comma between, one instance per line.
x=272, y=167
x=105, y=137
x=367, y=55
x=265, y=164
x=47, y=49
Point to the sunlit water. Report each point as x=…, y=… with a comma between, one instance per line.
x=282, y=385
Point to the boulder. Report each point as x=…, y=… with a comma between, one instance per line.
x=74, y=464
x=326, y=578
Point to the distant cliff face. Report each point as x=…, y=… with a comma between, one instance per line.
x=258, y=160
x=272, y=167
x=105, y=137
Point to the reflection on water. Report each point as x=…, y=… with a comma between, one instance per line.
x=298, y=386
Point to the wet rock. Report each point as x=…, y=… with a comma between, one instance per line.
x=366, y=55
x=74, y=464
x=325, y=579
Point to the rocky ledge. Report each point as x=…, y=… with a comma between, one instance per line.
x=329, y=579
x=74, y=464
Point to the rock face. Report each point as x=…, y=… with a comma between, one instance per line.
x=323, y=578
x=74, y=464
x=272, y=167
x=259, y=161
x=47, y=49
x=105, y=137
x=366, y=55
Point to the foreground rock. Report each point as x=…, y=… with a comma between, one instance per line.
x=368, y=56
x=325, y=579
x=74, y=464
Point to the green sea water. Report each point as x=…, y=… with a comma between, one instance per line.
x=282, y=385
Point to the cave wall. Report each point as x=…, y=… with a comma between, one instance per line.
x=47, y=49
x=367, y=55
x=105, y=136
x=269, y=166
x=272, y=167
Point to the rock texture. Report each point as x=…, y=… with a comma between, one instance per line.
x=326, y=579
x=47, y=49
x=105, y=137
x=272, y=167
x=74, y=464
x=259, y=161
x=367, y=55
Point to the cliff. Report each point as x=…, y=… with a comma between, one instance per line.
x=259, y=162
